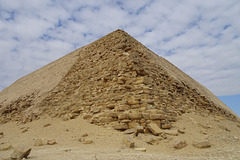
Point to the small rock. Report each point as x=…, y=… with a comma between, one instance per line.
x=85, y=135
x=24, y=130
x=128, y=141
x=130, y=131
x=51, y=142
x=203, y=131
x=171, y=132
x=141, y=149
x=152, y=140
x=157, y=117
x=179, y=144
x=166, y=126
x=6, y=147
x=20, y=153
x=204, y=144
x=154, y=129
x=204, y=125
x=122, y=116
x=87, y=141
x=1, y=135
x=38, y=142
x=87, y=116
x=139, y=129
x=121, y=126
x=46, y=125
x=181, y=131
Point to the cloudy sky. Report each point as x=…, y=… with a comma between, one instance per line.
x=201, y=37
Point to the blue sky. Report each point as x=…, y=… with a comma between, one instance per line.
x=200, y=37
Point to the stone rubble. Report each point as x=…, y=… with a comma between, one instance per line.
x=20, y=153
x=204, y=144
x=128, y=141
x=179, y=144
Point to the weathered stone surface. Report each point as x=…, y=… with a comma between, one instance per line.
x=154, y=129
x=171, y=132
x=106, y=119
x=166, y=126
x=128, y=141
x=157, y=117
x=122, y=116
x=171, y=119
x=204, y=144
x=20, y=153
x=132, y=101
x=139, y=129
x=87, y=116
x=146, y=116
x=121, y=126
x=133, y=124
x=130, y=131
x=135, y=116
x=152, y=140
x=179, y=144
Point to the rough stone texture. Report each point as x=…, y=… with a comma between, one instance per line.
x=128, y=141
x=204, y=144
x=179, y=144
x=152, y=140
x=171, y=132
x=154, y=129
x=20, y=153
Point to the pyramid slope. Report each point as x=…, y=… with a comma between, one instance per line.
x=34, y=87
x=113, y=75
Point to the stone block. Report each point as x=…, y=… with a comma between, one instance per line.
x=122, y=116
x=20, y=153
x=204, y=144
x=154, y=129
x=157, y=117
x=128, y=141
x=121, y=126
x=135, y=116
x=179, y=144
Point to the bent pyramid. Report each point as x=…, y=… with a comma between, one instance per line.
x=114, y=80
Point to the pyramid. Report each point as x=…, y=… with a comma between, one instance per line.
x=113, y=81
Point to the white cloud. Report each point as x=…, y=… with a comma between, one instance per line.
x=200, y=37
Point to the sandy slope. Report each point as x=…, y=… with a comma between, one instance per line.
x=108, y=142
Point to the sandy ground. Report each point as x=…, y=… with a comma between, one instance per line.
x=107, y=143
